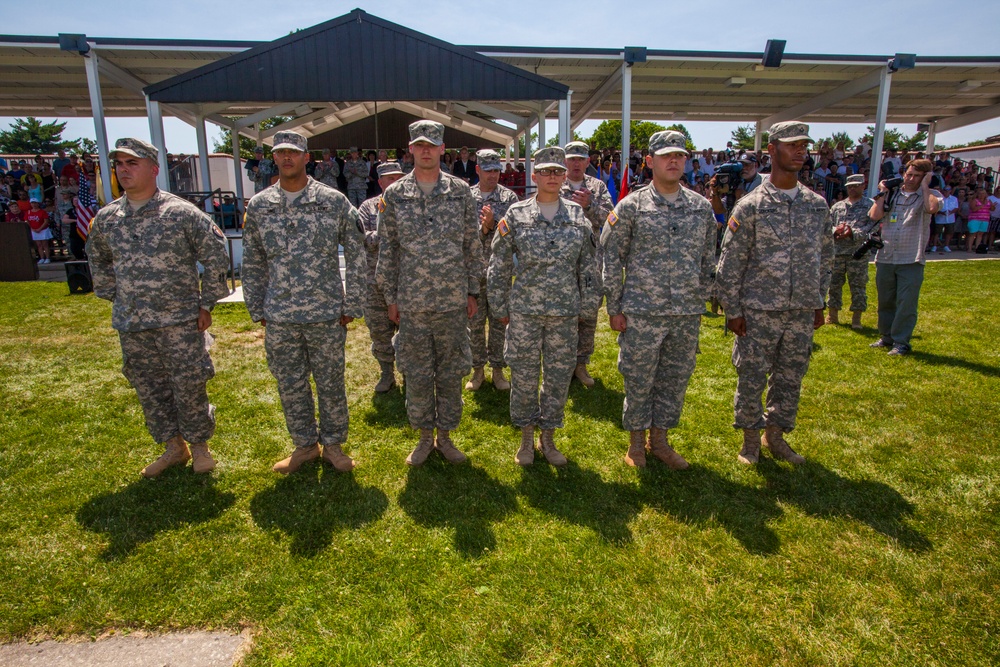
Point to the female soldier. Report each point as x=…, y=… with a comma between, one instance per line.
x=554, y=285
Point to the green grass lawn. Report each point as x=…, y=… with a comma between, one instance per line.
x=882, y=549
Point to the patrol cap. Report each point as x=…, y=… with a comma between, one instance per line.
x=258, y=150
x=550, y=157
x=353, y=149
x=577, y=149
x=427, y=130
x=387, y=168
x=488, y=160
x=789, y=130
x=856, y=179
x=290, y=140
x=668, y=141
x=136, y=148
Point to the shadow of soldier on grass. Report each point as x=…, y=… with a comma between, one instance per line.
x=598, y=402
x=581, y=497
x=312, y=504
x=488, y=404
x=462, y=498
x=820, y=492
x=138, y=512
x=388, y=409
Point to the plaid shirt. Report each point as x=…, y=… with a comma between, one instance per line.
x=906, y=228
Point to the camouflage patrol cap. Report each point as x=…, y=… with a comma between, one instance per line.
x=427, y=130
x=387, y=168
x=290, y=140
x=550, y=157
x=668, y=141
x=856, y=179
x=488, y=160
x=789, y=130
x=577, y=149
x=136, y=148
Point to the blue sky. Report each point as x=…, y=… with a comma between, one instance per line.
x=927, y=28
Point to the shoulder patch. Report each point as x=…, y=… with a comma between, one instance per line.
x=734, y=224
x=612, y=218
x=503, y=227
x=218, y=232
x=381, y=204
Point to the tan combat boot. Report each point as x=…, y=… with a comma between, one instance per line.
x=299, y=456
x=636, y=455
x=202, y=460
x=750, y=454
x=476, y=381
x=774, y=440
x=856, y=320
x=499, y=381
x=659, y=448
x=448, y=449
x=423, y=449
x=547, y=446
x=388, y=378
x=832, y=316
x=175, y=453
x=336, y=457
x=526, y=453
x=583, y=376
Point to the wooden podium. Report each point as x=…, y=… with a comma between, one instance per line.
x=16, y=261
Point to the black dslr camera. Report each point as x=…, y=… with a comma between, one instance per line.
x=875, y=240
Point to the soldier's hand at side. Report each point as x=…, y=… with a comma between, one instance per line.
x=345, y=320
x=618, y=322
x=471, y=306
x=818, y=318
x=738, y=325
x=486, y=219
x=204, y=320
x=394, y=313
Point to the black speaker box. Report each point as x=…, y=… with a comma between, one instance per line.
x=78, y=278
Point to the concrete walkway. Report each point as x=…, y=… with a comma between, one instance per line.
x=181, y=649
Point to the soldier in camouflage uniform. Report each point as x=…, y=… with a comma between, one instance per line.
x=381, y=328
x=554, y=285
x=772, y=279
x=143, y=250
x=328, y=170
x=851, y=228
x=356, y=170
x=659, y=254
x=493, y=200
x=430, y=266
x=292, y=285
x=592, y=194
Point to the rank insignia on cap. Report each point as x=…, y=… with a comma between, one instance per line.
x=612, y=218
x=218, y=232
x=502, y=227
x=734, y=224
x=381, y=204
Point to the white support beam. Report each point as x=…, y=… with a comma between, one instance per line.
x=607, y=87
x=155, y=116
x=277, y=110
x=931, y=137
x=970, y=118
x=237, y=167
x=758, y=136
x=875, y=166
x=541, y=127
x=318, y=115
x=495, y=112
x=203, y=169
x=131, y=82
x=91, y=64
x=492, y=132
x=565, y=133
x=829, y=98
x=626, y=110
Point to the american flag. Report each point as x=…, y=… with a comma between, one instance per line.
x=86, y=208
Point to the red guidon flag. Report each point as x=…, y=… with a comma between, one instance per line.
x=623, y=190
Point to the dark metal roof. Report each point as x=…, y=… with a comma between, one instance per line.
x=393, y=132
x=356, y=57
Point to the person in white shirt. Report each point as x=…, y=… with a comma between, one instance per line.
x=945, y=220
x=994, y=227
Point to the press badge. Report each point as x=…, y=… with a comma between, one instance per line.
x=893, y=218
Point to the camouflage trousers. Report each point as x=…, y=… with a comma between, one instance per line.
x=296, y=351
x=169, y=368
x=656, y=358
x=481, y=350
x=774, y=352
x=587, y=328
x=380, y=327
x=534, y=341
x=357, y=196
x=856, y=273
x=432, y=351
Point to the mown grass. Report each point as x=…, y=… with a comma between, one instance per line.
x=882, y=549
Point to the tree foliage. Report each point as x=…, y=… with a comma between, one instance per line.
x=30, y=135
x=224, y=144
x=554, y=141
x=836, y=138
x=743, y=137
x=609, y=134
x=895, y=140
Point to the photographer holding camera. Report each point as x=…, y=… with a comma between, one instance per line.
x=899, y=264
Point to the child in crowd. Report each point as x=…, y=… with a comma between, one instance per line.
x=38, y=220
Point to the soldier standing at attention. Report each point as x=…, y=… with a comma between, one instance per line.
x=493, y=200
x=380, y=327
x=592, y=194
x=356, y=170
x=430, y=266
x=292, y=286
x=851, y=228
x=554, y=285
x=144, y=250
x=659, y=253
x=773, y=277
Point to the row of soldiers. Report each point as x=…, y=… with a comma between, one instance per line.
x=431, y=261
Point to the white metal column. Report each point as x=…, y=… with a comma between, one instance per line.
x=931, y=137
x=528, y=164
x=626, y=114
x=541, y=129
x=206, y=177
x=758, y=137
x=155, y=116
x=875, y=166
x=237, y=166
x=100, y=130
x=565, y=133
